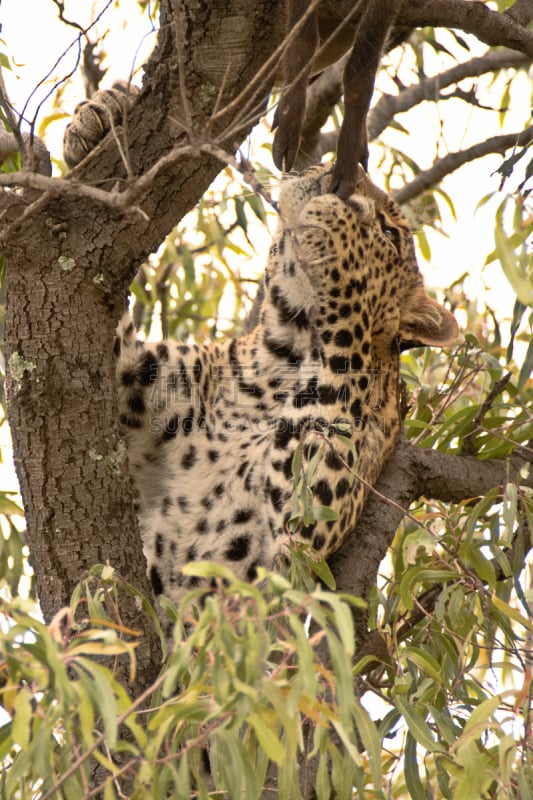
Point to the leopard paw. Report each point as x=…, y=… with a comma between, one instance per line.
x=93, y=119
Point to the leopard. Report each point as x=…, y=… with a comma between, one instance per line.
x=221, y=433
x=212, y=428
x=94, y=118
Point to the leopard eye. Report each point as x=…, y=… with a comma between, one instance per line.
x=392, y=234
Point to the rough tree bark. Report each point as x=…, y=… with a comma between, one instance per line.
x=70, y=258
x=69, y=265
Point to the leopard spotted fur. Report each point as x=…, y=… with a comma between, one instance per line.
x=212, y=428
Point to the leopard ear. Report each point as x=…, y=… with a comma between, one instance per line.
x=423, y=321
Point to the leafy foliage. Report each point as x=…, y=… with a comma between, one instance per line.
x=263, y=675
x=199, y=283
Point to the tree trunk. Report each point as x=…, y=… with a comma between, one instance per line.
x=69, y=264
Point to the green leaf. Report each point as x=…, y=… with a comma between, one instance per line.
x=510, y=612
x=267, y=736
x=21, y=728
x=417, y=725
x=321, y=569
x=208, y=569
x=97, y=681
x=343, y=619
x=412, y=776
x=448, y=200
x=518, y=312
x=188, y=265
x=233, y=766
x=256, y=204
x=8, y=506
x=369, y=736
x=347, y=742
x=480, y=717
x=424, y=661
x=240, y=213
x=477, y=773
x=474, y=559
x=527, y=367
x=421, y=576
x=423, y=244
x=296, y=462
x=325, y=513
x=109, y=791
x=521, y=284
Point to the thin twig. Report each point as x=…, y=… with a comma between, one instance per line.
x=444, y=166
x=220, y=93
x=469, y=440
x=8, y=109
x=430, y=88
x=73, y=70
x=140, y=701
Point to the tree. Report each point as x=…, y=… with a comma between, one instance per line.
x=72, y=247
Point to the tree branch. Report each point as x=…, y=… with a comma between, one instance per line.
x=473, y=17
x=120, y=201
x=324, y=92
x=521, y=11
x=410, y=473
x=444, y=166
x=430, y=88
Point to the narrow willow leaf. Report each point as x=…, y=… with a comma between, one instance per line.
x=182, y=786
x=421, y=576
x=72, y=789
x=296, y=463
x=424, y=661
x=343, y=620
x=324, y=513
x=509, y=264
x=240, y=213
x=21, y=726
x=527, y=367
x=474, y=558
x=412, y=776
x=321, y=569
x=417, y=725
x=369, y=735
x=288, y=780
x=348, y=744
x=267, y=736
x=109, y=791
x=257, y=206
x=313, y=465
x=97, y=681
x=477, y=772
x=208, y=569
x=510, y=612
